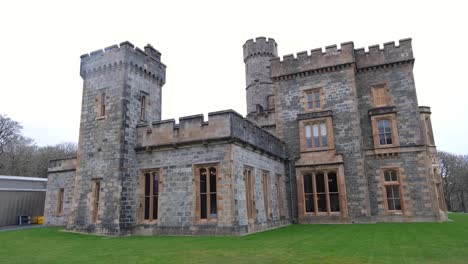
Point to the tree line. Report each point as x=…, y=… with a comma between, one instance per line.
x=20, y=156
x=454, y=172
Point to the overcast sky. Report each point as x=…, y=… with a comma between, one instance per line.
x=201, y=44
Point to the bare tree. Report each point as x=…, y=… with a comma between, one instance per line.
x=20, y=156
x=44, y=154
x=454, y=171
x=9, y=131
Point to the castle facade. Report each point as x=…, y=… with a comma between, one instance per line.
x=331, y=136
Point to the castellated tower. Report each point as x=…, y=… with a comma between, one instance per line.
x=121, y=88
x=257, y=55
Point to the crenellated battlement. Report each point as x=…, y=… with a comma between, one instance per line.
x=59, y=165
x=260, y=46
x=332, y=57
x=146, y=62
x=391, y=53
x=316, y=59
x=221, y=126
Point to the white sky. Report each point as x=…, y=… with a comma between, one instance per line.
x=201, y=44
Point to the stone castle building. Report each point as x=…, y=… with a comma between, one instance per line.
x=331, y=136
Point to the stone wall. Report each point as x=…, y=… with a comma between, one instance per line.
x=106, y=145
x=177, y=198
x=177, y=208
x=61, y=174
x=339, y=92
x=245, y=157
x=416, y=187
x=400, y=86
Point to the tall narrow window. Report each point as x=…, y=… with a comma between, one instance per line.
x=323, y=133
x=143, y=108
x=102, y=105
x=313, y=100
x=249, y=193
x=266, y=193
x=279, y=196
x=60, y=202
x=308, y=133
x=309, y=194
x=207, y=193
x=385, y=132
x=380, y=96
x=95, y=206
x=271, y=102
x=316, y=135
x=151, y=194
x=321, y=195
x=392, y=189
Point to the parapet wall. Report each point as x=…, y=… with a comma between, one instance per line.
x=391, y=53
x=147, y=62
x=223, y=125
x=59, y=165
x=303, y=62
x=260, y=46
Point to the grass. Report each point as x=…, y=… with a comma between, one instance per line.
x=367, y=243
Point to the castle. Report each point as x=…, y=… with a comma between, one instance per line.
x=331, y=136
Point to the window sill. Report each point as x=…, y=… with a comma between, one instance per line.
x=314, y=114
x=316, y=150
x=386, y=146
x=149, y=222
x=207, y=222
x=394, y=212
x=323, y=214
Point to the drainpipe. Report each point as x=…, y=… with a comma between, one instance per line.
x=291, y=205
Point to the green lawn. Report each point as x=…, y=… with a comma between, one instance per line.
x=367, y=243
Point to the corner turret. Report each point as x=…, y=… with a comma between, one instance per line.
x=257, y=55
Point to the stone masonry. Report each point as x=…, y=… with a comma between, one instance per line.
x=344, y=118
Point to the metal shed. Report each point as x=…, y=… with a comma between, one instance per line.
x=21, y=196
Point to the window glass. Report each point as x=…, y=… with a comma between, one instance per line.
x=308, y=191
x=308, y=136
x=316, y=135
x=317, y=99
x=323, y=131
x=385, y=132
x=317, y=199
